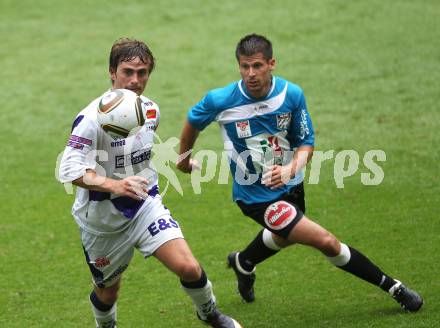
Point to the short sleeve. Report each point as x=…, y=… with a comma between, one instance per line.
x=77, y=157
x=203, y=113
x=301, y=129
x=152, y=113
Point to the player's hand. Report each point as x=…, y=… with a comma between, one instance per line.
x=276, y=176
x=134, y=187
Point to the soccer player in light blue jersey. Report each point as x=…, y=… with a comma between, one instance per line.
x=268, y=135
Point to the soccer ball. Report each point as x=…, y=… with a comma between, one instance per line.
x=119, y=112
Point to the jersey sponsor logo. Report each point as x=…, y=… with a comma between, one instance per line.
x=150, y=114
x=283, y=121
x=131, y=159
x=162, y=224
x=119, y=161
x=243, y=129
x=272, y=152
x=279, y=214
x=266, y=149
x=118, y=143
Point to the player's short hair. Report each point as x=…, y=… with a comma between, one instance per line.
x=252, y=44
x=125, y=49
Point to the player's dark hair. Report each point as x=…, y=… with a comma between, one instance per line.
x=125, y=49
x=252, y=44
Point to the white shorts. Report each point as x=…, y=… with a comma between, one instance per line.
x=108, y=256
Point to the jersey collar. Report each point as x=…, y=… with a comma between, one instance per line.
x=246, y=94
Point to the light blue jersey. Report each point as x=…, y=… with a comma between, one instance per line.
x=257, y=133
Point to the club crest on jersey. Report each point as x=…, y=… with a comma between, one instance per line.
x=283, y=120
x=279, y=214
x=243, y=129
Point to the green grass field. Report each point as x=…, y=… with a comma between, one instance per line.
x=369, y=72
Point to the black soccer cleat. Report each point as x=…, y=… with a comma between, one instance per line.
x=245, y=282
x=408, y=299
x=217, y=319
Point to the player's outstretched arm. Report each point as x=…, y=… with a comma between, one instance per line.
x=134, y=186
x=187, y=139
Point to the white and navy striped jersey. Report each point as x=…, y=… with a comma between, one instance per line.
x=90, y=147
x=257, y=132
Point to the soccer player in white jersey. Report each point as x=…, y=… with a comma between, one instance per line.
x=269, y=136
x=117, y=215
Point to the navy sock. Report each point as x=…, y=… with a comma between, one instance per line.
x=196, y=284
x=98, y=304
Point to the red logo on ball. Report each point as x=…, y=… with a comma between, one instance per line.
x=279, y=215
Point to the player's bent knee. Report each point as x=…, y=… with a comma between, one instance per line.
x=275, y=242
x=107, y=295
x=189, y=271
x=329, y=245
x=110, y=299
